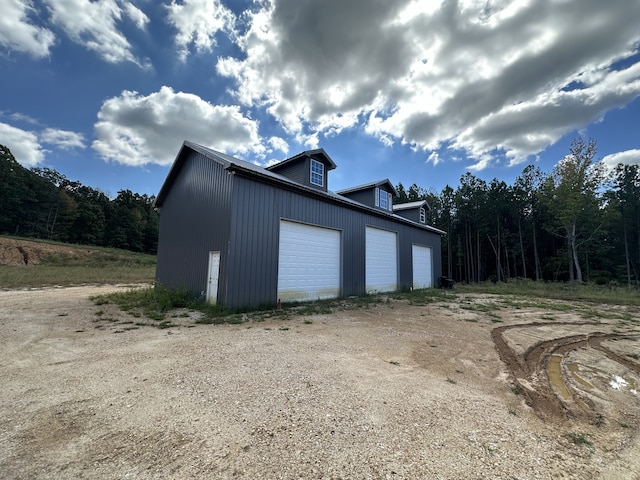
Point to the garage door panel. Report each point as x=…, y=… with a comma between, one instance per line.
x=422, y=267
x=308, y=262
x=381, y=260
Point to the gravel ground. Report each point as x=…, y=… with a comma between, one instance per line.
x=388, y=391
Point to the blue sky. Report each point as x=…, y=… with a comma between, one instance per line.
x=419, y=92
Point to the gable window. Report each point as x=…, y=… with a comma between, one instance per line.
x=423, y=215
x=383, y=199
x=317, y=173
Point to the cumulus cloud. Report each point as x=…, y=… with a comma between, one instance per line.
x=197, y=22
x=493, y=79
x=278, y=143
x=63, y=139
x=24, y=145
x=18, y=32
x=628, y=157
x=134, y=129
x=93, y=25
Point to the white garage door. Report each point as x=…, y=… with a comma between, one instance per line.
x=422, y=276
x=381, y=260
x=308, y=262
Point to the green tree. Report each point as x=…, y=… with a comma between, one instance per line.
x=625, y=197
x=570, y=194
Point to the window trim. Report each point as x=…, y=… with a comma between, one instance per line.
x=313, y=173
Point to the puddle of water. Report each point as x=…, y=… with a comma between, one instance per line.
x=554, y=371
x=614, y=381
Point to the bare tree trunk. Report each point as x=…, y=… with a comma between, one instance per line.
x=536, y=259
x=626, y=254
x=524, y=263
x=498, y=253
x=574, y=254
x=468, y=257
x=478, y=251
x=495, y=251
x=507, y=268
x=449, y=253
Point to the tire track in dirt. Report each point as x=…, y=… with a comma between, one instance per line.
x=530, y=370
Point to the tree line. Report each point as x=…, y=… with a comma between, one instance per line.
x=576, y=223
x=42, y=203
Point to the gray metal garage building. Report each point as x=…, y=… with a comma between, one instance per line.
x=242, y=235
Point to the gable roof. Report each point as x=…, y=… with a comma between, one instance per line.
x=411, y=205
x=317, y=154
x=367, y=186
x=248, y=169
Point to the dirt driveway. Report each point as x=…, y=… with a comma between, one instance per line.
x=475, y=388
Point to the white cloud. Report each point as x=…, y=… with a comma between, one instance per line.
x=93, y=25
x=137, y=16
x=133, y=129
x=197, y=22
x=24, y=145
x=628, y=157
x=278, y=143
x=491, y=78
x=17, y=32
x=63, y=139
x=434, y=158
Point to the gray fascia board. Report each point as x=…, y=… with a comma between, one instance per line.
x=306, y=153
x=367, y=186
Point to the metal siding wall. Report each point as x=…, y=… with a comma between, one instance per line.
x=255, y=230
x=253, y=245
x=298, y=172
x=418, y=236
x=366, y=197
x=194, y=220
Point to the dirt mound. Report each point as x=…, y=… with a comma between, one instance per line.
x=14, y=251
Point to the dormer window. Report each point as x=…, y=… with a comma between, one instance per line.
x=383, y=199
x=317, y=173
x=423, y=215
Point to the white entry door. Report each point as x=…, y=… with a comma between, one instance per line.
x=308, y=262
x=381, y=265
x=422, y=273
x=214, y=275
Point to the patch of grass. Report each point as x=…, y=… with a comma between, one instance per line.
x=579, y=439
x=517, y=389
x=599, y=421
x=94, y=265
x=607, y=294
x=393, y=362
x=307, y=321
